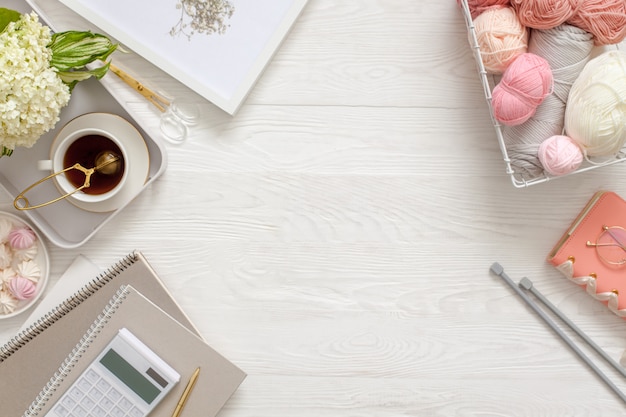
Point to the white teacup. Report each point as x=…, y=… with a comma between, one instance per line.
x=82, y=146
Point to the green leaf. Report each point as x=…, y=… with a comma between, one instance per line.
x=7, y=16
x=6, y=152
x=71, y=78
x=74, y=50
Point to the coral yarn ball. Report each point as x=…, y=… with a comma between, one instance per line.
x=476, y=7
x=604, y=19
x=524, y=86
x=544, y=14
x=501, y=38
x=560, y=155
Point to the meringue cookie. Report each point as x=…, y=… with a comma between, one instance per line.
x=6, y=275
x=22, y=288
x=22, y=237
x=25, y=254
x=6, y=256
x=8, y=303
x=28, y=269
x=6, y=226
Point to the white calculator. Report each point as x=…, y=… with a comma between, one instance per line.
x=127, y=379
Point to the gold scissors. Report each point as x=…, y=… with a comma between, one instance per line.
x=159, y=101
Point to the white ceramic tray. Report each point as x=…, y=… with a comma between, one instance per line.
x=64, y=224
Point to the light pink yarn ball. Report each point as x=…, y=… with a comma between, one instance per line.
x=22, y=238
x=524, y=86
x=501, y=38
x=560, y=155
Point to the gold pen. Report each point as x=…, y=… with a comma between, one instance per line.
x=186, y=392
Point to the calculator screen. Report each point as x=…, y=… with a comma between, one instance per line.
x=130, y=376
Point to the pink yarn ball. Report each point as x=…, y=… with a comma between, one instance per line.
x=501, y=38
x=22, y=238
x=476, y=7
x=604, y=19
x=560, y=155
x=524, y=86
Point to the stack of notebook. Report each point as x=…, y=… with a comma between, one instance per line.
x=47, y=356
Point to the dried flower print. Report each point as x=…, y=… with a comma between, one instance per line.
x=202, y=17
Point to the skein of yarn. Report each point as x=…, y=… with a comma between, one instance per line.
x=604, y=19
x=595, y=116
x=560, y=155
x=501, y=38
x=567, y=49
x=476, y=7
x=544, y=14
x=524, y=85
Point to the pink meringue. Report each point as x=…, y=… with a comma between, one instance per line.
x=22, y=237
x=22, y=288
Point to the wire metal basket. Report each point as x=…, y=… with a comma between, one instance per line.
x=489, y=81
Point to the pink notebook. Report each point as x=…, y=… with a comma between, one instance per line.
x=592, y=250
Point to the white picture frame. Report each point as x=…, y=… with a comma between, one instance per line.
x=221, y=67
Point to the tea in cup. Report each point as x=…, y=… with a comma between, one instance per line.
x=89, y=165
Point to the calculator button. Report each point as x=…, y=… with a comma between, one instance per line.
x=135, y=412
x=103, y=385
x=84, y=384
x=125, y=404
x=87, y=402
x=75, y=393
x=92, y=376
x=95, y=394
x=59, y=410
x=117, y=412
x=68, y=402
x=114, y=395
x=106, y=403
x=79, y=412
x=98, y=412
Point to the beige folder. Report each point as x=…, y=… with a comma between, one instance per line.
x=29, y=361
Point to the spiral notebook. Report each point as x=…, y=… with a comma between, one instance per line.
x=182, y=349
x=30, y=359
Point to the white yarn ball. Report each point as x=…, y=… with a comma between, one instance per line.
x=595, y=115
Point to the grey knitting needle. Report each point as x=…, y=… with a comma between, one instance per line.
x=527, y=285
x=497, y=269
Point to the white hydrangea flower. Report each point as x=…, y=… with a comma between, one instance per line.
x=31, y=93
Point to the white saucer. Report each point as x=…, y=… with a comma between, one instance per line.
x=138, y=167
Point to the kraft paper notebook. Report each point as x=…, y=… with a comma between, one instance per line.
x=577, y=257
x=29, y=360
x=177, y=345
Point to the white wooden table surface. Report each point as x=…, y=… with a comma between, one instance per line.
x=334, y=238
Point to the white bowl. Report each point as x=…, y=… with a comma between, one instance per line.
x=41, y=259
